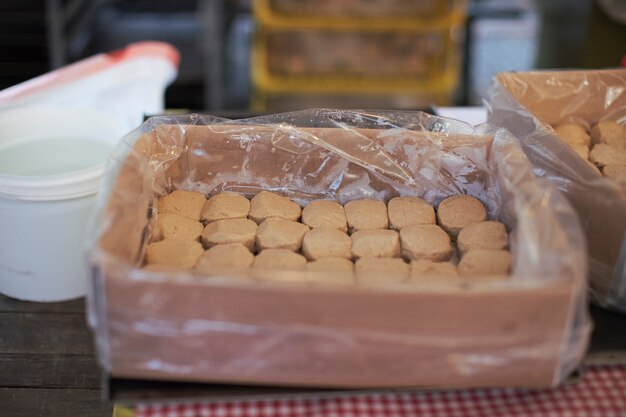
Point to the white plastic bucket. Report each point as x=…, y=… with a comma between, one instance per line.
x=51, y=162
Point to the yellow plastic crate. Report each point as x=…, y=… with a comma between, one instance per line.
x=348, y=61
x=360, y=14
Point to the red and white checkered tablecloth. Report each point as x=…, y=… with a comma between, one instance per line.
x=601, y=393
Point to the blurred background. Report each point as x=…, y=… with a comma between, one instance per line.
x=275, y=55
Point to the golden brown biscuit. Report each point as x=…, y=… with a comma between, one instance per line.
x=230, y=231
x=573, y=134
x=325, y=213
x=435, y=274
x=424, y=269
x=178, y=252
x=603, y=154
x=174, y=226
x=581, y=150
x=330, y=265
x=375, y=243
x=184, y=203
x=226, y=206
x=231, y=256
x=376, y=272
x=614, y=171
x=276, y=233
x=326, y=242
x=609, y=132
x=617, y=174
x=279, y=259
x=484, y=235
x=165, y=269
x=266, y=205
x=429, y=242
x=366, y=214
x=407, y=211
x=336, y=272
x=456, y=212
x=485, y=262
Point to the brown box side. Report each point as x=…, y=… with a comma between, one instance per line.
x=275, y=336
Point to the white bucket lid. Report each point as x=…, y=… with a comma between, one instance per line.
x=30, y=124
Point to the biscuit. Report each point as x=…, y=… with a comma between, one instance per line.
x=617, y=174
x=429, y=242
x=184, y=203
x=175, y=226
x=230, y=256
x=425, y=269
x=435, y=273
x=614, y=171
x=276, y=233
x=230, y=231
x=484, y=235
x=603, y=154
x=609, y=132
x=177, y=252
x=160, y=268
x=485, y=262
x=326, y=242
x=337, y=272
x=266, y=205
x=456, y=212
x=331, y=264
x=325, y=213
x=226, y=206
x=376, y=272
x=375, y=243
x=408, y=211
x=366, y=214
x=573, y=134
x=581, y=150
x=279, y=259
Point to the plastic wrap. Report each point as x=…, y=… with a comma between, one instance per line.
x=125, y=84
x=528, y=104
x=529, y=330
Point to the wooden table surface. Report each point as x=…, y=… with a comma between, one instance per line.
x=48, y=365
x=47, y=361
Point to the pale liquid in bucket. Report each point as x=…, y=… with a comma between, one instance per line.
x=52, y=156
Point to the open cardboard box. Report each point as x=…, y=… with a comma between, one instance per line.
x=528, y=104
x=528, y=331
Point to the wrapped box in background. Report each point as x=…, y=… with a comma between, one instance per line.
x=528, y=104
x=530, y=330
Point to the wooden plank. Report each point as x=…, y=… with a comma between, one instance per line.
x=45, y=334
x=49, y=371
x=31, y=402
x=11, y=305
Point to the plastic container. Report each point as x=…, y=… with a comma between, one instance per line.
x=126, y=84
x=359, y=13
x=408, y=61
x=51, y=162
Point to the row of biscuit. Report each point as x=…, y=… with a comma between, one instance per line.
x=604, y=145
x=226, y=231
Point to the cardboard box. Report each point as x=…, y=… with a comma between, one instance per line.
x=528, y=104
x=529, y=331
